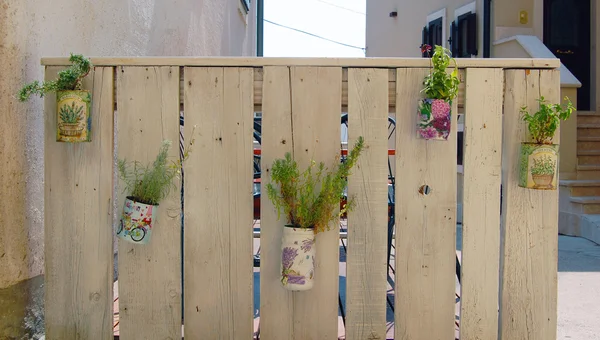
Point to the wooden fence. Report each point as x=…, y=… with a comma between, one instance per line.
x=509, y=261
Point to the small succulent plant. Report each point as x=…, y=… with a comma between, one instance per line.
x=68, y=79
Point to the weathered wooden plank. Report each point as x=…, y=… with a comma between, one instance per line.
x=218, y=270
x=367, y=225
x=78, y=220
x=276, y=303
x=313, y=62
x=425, y=223
x=529, y=222
x=481, y=204
x=150, y=275
x=316, y=94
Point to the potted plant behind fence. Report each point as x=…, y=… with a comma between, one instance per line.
x=147, y=186
x=440, y=87
x=309, y=201
x=73, y=111
x=538, y=164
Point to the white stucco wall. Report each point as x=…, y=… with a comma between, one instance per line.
x=401, y=36
x=31, y=29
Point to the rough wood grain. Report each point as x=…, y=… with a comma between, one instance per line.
x=425, y=224
x=78, y=220
x=367, y=223
x=316, y=130
x=481, y=204
x=276, y=303
x=313, y=62
x=150, y=275
x=529, y=221
x=218, y=269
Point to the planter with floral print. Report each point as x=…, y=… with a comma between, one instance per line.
x=434, y=117
x=73, y=116
x=537, y=166
x=297, y=258
x=136, y=221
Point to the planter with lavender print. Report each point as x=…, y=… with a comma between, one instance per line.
x=434, y=119
x=297, y=258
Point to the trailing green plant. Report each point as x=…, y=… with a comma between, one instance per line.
x=542, y=125
x=542, y=166
x=151, y=183
x=439, y=84
x=69, y=79
x=309, y=199
x=71, y=114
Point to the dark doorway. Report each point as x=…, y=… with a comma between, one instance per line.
x=567, y=33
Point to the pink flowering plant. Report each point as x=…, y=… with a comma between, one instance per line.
x=440, y=88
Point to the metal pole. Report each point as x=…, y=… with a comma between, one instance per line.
x=259, y=27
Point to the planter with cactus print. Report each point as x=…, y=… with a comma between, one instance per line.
x=297, y=258
x=434, y=117
x=538, y=166
x=136, y=221
x=73, y=116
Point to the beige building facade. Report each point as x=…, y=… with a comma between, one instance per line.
x=30, y=30
x=564, y=29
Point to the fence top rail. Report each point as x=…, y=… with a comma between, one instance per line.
x=506, y=63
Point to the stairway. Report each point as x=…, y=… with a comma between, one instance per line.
x=580, y=197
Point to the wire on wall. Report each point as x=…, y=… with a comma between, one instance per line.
x=314, y=35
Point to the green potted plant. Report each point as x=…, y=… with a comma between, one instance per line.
x=73, y=102
x=309, y=201
x=440, y=87
x=147, y=186
x=539, y=158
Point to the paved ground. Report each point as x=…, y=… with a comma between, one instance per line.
x=578, y=289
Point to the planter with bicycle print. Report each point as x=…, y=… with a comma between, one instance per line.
x=136, y=221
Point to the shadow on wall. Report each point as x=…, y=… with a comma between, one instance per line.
x=22, y=310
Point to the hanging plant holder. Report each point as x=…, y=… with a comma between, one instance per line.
x=434, y=119
x=298, y=258
x=73, y=116
x=136, y=221
x=538, y=166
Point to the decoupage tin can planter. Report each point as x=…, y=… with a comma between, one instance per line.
x=434, y=119
x=136, y=221
x=73, y=116
x=297, y=258
x=537, y=166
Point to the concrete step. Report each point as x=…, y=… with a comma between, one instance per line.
x=582, y=187
x=592, y=152
x=588, y=145
x=591, y=171
x=588, y=130
x=586, y=204
x=588, y=159
x=588, y=117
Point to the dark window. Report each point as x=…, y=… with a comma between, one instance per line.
x=246, y=4
x=463, y=36
x=432, y=34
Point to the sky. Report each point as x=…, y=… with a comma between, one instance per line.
x=338, y=20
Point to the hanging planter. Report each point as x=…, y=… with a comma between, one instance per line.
x=73, y=104
x=434, y=119
x=538, y=160
x=308, y=212
x=136, y=221
x=434, y=114
x=73, y=116
x=147, y=186
x=298, y=258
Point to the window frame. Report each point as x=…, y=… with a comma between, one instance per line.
x=435, y=16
